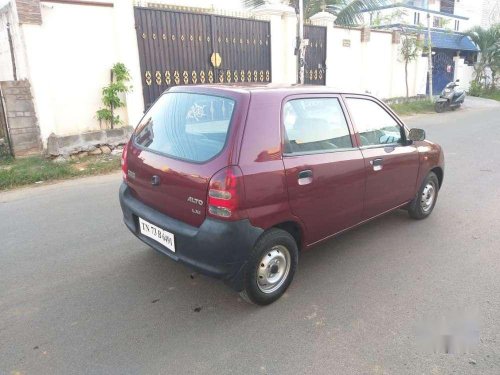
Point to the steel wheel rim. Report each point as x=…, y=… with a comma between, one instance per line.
x=273, y=269
x=428, y=196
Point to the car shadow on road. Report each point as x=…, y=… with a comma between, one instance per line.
x=161, y=278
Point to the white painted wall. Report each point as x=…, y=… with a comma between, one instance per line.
x=283, y=25
x=70, y=56
x=374, y=66
x=463, y=72
x=127, y=52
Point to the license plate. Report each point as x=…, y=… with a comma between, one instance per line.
x=157, y=234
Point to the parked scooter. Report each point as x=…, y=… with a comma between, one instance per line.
x=450, y=98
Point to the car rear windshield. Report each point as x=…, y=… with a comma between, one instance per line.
x=187, y=126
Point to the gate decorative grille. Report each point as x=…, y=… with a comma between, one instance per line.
x=315, y=57
x=182, y=48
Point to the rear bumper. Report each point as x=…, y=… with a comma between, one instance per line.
x=217, y=248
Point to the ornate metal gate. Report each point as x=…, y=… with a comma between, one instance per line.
x=181, y=48
x=443, y=69
x=315, y=58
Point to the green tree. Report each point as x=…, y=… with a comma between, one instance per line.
x=488, y=41
x=411, y=47
x=347, y=11
x=111, y=95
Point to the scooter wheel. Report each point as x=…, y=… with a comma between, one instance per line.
x=440, y=107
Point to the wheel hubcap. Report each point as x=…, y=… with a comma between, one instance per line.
x=427, y=197
x=273, y=269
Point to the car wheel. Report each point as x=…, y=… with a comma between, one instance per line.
x=422, y=205
x=270, y=268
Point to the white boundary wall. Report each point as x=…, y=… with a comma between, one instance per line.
x=67, y=60
x=463, y=72
x=371, y=66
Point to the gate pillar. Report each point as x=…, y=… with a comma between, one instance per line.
x=283, y=39
x=128, y=54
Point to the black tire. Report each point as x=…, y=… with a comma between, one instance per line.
x=419, y=208
x=273, y=241
x=440, y=107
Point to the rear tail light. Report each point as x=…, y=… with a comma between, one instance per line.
x=124, y=162
x=226, y=194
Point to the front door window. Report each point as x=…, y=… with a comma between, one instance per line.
x=375, y=126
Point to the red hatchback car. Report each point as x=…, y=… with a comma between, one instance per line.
x=236, y=181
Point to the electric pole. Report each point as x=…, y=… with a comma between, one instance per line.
x=302, y=47
x=429, y=53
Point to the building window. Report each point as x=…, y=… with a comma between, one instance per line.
x=447, y=6
x=416, y=18
x=457, y=25
x=437, y=22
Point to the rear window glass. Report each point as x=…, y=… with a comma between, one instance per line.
x=188, y=126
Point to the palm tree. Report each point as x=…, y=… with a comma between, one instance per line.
x=347, y=11
x=488, y=41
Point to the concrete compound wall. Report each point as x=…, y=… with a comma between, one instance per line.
x=66, y=52
x=70, y=54
x=463, y=72
x=370, y=61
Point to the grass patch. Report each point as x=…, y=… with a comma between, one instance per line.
x=411, y=108
x=491, y=94
x=477, y=89
x=25, y=171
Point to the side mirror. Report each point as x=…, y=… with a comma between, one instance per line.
x=416, y=135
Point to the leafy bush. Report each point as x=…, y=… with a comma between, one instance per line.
x=476, y=89
x=111, y=95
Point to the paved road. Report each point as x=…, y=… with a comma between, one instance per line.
x=79, y=294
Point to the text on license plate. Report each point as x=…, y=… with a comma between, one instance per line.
x=157, y=234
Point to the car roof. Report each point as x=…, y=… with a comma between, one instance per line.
x=269, y=88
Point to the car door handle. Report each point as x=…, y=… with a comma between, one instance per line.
x=305, y=177
x=155, y=180
x=377, y=164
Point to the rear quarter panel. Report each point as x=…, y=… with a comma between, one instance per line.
x=266, y=196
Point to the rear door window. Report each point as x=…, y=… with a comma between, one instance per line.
x=315, y=125
x=186, y=126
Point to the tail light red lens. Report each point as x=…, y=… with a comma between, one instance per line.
x=124, y=162
x=226, y=194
